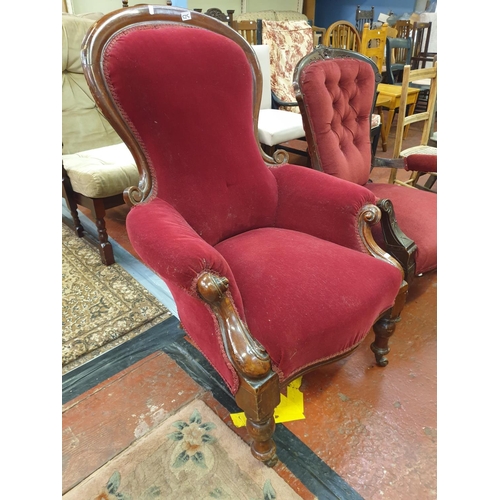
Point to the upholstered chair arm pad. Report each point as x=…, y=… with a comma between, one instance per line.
x=170, y=246
x=421, y=163
x=414, y=162
x=321, y=205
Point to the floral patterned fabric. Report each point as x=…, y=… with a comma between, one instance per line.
x=288, y=41
x=191, y=455
x=273, y=15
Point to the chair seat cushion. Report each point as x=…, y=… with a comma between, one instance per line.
x=101, y=172
x=277, y=126
x=416, y=214
x=306, y=299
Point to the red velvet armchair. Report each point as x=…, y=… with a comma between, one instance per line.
x=336, y=92
x=273, y=267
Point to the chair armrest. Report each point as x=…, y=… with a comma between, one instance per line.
x=332, y=213
x=200, y=279
x=277, y=102
x=415, y=162
x=170, y=246
x=388, y=162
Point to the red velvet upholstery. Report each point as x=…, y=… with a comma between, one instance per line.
x=285, y=237
x=182, y=137
x=323, y=316
x=421, y=163
x=338, y=98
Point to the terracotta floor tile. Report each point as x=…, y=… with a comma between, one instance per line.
x=104, y=421
x=376, y=427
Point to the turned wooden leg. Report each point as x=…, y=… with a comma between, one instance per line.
x=67, y=192
x=105, y=248
x=263, y=446
x=258, y=399
x=386, y=326
x=387, y=127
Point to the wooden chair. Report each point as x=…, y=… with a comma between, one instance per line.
x=318, y=33
x=363, y=17
x=373, y=44
x=421, y=35
x=427, y=120
x=274, y=271
x=397, y=56
x=403, y=28
x=247, y=29
x=342, y=35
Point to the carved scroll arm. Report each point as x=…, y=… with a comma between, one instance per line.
x=247, y=355
x=368, y=216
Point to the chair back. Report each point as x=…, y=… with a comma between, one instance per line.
x=373, y=44
x=363, y=17
x=421, y=36
x=397, y=56
x=336, y=92
x=403, y=28
x=342, y=35
x=262, y=53
x=288, y=42
x=167, y=79
x=247, y=29
x=426, y=117
x=83, y=125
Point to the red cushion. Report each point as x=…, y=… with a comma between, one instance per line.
x=416, y=214
x=306, y=299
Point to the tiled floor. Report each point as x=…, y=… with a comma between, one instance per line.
x=375, y=427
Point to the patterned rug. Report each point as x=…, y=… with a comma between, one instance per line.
x=193, y=455
x=102, y=306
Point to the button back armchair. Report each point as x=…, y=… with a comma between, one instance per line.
x=336, y=92
x=272, y=266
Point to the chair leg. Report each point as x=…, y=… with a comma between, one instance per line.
x=387, y=128
x=70, y=202
x=386, y=326
x=375, y=136
x=258, y=399
x=105, y=248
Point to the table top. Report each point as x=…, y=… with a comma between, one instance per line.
x=383, y=100
x=394, y=90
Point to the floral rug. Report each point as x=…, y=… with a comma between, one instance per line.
x=102, y=306
x=192, y=455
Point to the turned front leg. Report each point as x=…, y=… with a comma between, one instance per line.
x=386, y=325
x=105, y=248
x=258, y=393
x=263, y=446
x=258, y=399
